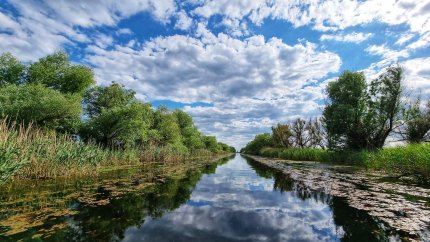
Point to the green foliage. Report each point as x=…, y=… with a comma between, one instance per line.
x=410, y=160
x=190, y=134
x=210, y=143
x=97, y=99
x=360, y=116
x=260, y=141
x=294, y=153
x=119, y=127
x=167, y=128
x=11, y=70
x=40, y=105
x=116, y=118
x=345, y=115
x=55, y=71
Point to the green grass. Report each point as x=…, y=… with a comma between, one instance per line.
x=409, y=160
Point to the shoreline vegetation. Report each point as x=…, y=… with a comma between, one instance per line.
x=357, y=121
x=29, y=152
x=54, y=122
x=408, y=161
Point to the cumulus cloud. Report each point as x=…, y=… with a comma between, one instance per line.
x=214, y=68
x=323, y=15
x=184, y=22
x=45, y=26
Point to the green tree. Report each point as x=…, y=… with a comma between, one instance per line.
x=97, y=99
x=11, y=70
x=115, y=118
x=168, y=131
x=345, y=114
x=119, y=127
x=385, y=105
x=55, y=71
x=259, y=142
x=361, y=116
x=191, y=136
x=211, y=143
x=40, y=105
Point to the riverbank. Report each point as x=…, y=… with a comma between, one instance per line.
x=411, y=162
x=121, y=198
x=401, y=206
x=28, y=152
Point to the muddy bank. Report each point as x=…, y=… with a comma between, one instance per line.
x=402, y=206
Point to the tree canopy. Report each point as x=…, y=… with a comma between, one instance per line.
x=57, y=72
x=361, y=116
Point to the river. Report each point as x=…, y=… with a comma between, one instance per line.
x=235, y=199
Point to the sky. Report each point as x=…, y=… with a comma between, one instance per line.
x=237, y=67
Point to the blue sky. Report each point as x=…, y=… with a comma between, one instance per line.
x=238, y=67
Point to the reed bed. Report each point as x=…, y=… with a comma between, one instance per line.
x=411, y=160
x=29, y=152
x=35, y=153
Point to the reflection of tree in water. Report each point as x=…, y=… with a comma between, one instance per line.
x=109, y=222
x=352, y=224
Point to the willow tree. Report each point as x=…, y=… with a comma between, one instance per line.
x=360, y=115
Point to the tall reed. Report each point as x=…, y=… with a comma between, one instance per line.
x=30, y=152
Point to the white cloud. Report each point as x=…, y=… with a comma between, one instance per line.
x=184, y=22
x=324, y=15
x=352, y=37
x=43, y=27
x=125, y=31
x=214, y=68
x=417, y=76
x=389, y=56
x=404, y=38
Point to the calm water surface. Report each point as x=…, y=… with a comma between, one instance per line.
x=236, y=200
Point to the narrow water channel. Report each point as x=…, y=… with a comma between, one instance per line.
x=243, y=201
x=236, y=199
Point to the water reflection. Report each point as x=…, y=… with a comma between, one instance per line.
x=243, y=201
x=238, y=201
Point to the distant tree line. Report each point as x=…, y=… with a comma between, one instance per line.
x=56, y=94
x=358, y=115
